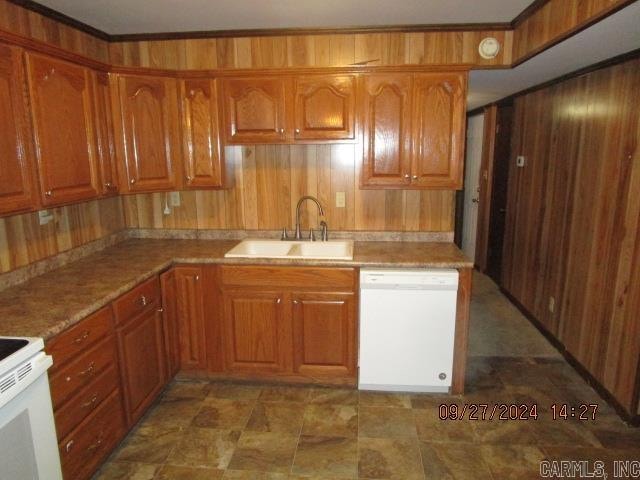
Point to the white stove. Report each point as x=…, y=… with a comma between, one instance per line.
x=28, y=444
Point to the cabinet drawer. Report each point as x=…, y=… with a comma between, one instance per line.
x=307, y=277
x=84, y=449
x=70, y=343
x=82, y=371
x=138, y=300
x=85, y=402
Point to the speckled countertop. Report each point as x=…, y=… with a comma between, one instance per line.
x=50, y=303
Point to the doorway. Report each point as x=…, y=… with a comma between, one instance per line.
x=473, y=158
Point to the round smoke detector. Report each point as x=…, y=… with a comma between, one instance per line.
x=489, y=47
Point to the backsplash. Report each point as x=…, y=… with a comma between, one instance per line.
x=24, y=241
x=269, y=180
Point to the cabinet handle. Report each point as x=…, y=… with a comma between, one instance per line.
x=142, y=300
x=48, y=193
x=82, y=337
x=407, y=176
x=282, y=130
x=90, y=403
x=189, y=179
x=69, y=445
x=197, y=278
x=132, y=181
x=160, y=310
x=278, y=300
x=296, y=302
x=96, y=445
x=89, y=371
x=414, y=177
x=108, y=185
x=297, y=130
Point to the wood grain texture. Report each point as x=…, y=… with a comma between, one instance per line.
x=458, y=373
x=573, y=220
x=269, y=180
x=557, y=20
x=24, y=241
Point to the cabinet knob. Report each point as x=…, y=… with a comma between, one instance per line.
x=160, y=310
x=189, y=179
x=407, y=176
x=297, y=130
x=132, y=181
x=414, y=177
x=296, y=302
x=197, y=278
x=142, y=300
x=282, y=130
x=48, y=193
x=108, y=185
x=278, y=300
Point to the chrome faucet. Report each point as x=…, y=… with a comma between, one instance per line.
x=320, y=212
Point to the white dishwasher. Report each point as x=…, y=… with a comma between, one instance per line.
x=407, y=327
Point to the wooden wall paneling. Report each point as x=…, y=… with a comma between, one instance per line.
x=18, y=182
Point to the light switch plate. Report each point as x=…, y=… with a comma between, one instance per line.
x=174, y=199
x=45, y=216
x=340, y=200
x=520, y=161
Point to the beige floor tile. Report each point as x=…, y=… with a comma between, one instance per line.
x=386, y=422
x=430, y=428
x=339, y=396
x=223, y=414
x=149, y=444
x=253, y=475
x=234, y=391
x=389, y=459
x=334, y=457
x=331, y=420
x=509, y=461
x=204, y=447
x=280, y=393
x=173, y=412
x=459, y=461
x=266, y=452
x=173, y=472
x=281, y=417
x=127, y=471
x=382, y=399
x=187, y=389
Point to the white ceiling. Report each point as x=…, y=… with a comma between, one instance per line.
x=146, y=16
x=608, y=38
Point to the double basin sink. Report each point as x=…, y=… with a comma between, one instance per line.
x=329, y=250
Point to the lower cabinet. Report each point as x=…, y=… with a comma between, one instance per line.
x=170, y=322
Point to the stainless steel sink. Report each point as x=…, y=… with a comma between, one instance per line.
x=330, y=250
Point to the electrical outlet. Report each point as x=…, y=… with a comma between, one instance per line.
x=45, y=216
x=520, y=161
x=552, y=304
x=174, y=199
x=341, y=201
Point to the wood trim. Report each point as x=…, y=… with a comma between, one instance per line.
x=527, y=12
x=571, y=360
x=571, y=32
x=61, y=18
x=462, y=331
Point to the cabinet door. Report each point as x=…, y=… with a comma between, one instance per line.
x=254, y=110
x=191, y=319
x=142, y=362
x=324, y=333
x=149, y=112
x=257, y=337
x=439, y=123
x=386, y=106
x=203, y=155
x=63, y=128
x=170, y=322
x=324, y=107
x=104, y=134
x=17, y=179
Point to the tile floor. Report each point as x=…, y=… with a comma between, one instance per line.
x=202, y=430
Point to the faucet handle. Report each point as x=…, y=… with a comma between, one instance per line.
x=284, y=235
x=312, y=236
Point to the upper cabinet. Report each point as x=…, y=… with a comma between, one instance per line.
x=148, y=123
x=17, y=176
x=439, y=125
x=324, y=107
x=254, y=110
x=413, y=130
x=104, y=134
x=204, y=165
x=63, y=129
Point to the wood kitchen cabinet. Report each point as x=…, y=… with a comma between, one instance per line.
x=190, y=313
x=413, y=130
x=254, y=109
x=170, y=322
x=18, y=187
x=61, y=99
x=324, y=334
x=104, y=135
x=204, y=165
x=385, y=102
x=324, y=107
x=147, y=128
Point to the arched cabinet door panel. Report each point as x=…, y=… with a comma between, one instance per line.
x=104, y=135
x=386, y=109
x=149, y=123
x=439, y=124
x=324, y=107
x=17, y=176
x=61, y=94
x=254, y=110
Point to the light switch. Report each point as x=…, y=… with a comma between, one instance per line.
x=520, y=160
x=45, y=216
x=174, y=199
x=340, y=200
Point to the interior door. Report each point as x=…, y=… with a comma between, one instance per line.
x=254, y=110
x=473, y=159
x=324, y=107
x=62, y=119
x=386, y=104
x=17, y=179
